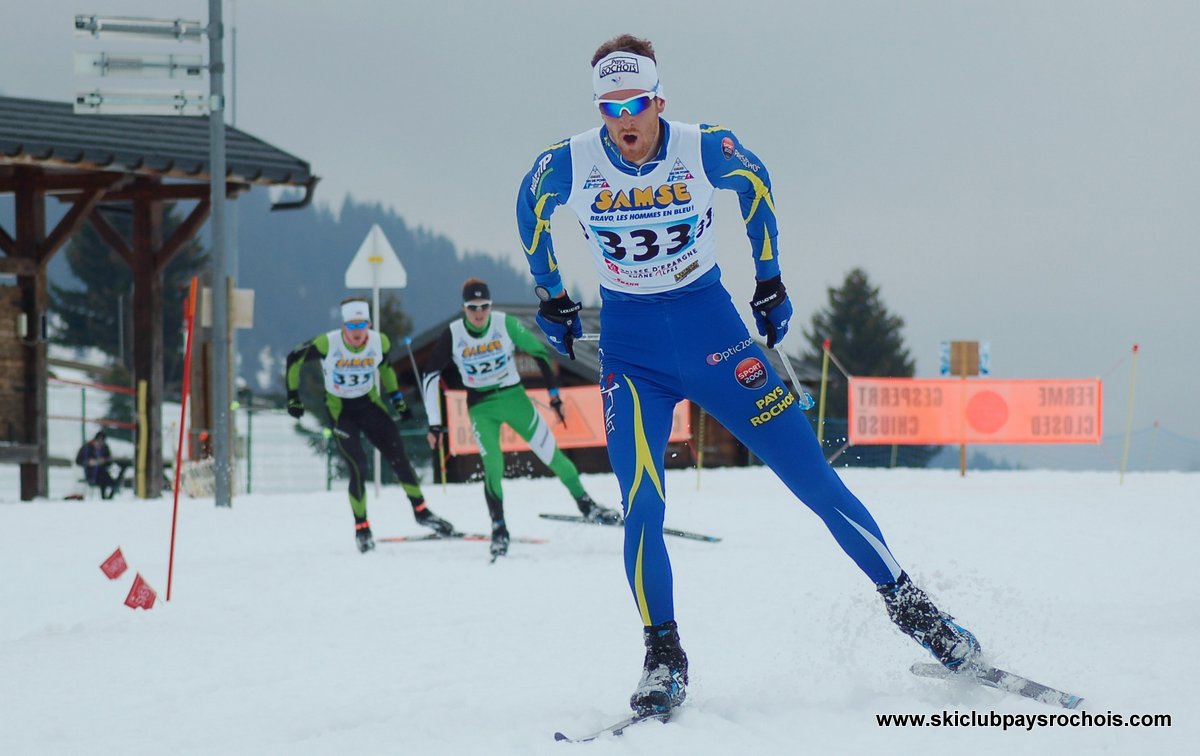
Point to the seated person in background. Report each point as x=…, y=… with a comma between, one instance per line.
x=95, y=457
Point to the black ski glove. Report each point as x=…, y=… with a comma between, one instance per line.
x=772, y=310
x=558, y=317
x=295, y=407
x=556, y=404
x=401, y=406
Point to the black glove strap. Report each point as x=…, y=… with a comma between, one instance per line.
x=768, y=295
x=560, y=309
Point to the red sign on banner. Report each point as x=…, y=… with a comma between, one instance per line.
x=582, y=405
x=974, y=411
x=115, y=565
x=141, y=594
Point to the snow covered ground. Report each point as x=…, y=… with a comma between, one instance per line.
x=280, y=638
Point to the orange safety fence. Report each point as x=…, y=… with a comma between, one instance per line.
x=582, y=405
x=92, y=384
x=974, y=411
x=85, y=385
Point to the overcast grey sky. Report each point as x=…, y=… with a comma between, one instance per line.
x=1022, y=173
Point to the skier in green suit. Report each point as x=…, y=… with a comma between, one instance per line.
x=349, y=358
x=482, y=347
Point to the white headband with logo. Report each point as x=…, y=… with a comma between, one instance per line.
x=352, y=311
x=624, y=70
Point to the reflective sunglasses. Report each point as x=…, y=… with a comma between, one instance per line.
x=357, y=325
x=477, y=306
x=634, y=106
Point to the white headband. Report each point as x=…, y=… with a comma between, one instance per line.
x=357, y=310
x=624, y=70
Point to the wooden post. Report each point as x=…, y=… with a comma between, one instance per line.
x=1129, y=416
x=30, y=206
x=143, y=434
x=964, y=361
x=824, y=382
x=147, y=268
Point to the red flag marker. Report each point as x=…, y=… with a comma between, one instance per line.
x=141, y=594
x=115, y=565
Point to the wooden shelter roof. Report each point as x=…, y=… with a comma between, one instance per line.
x=51, y=134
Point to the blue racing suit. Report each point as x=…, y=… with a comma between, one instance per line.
x=669, y=330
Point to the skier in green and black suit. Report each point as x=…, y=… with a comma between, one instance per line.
x=349, y=358
x=482, y=346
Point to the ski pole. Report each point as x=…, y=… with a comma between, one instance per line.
x=421, y=393
x=442, y=462
x=803, y=398
x=416, y=373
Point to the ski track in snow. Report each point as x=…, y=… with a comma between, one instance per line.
x=281, y=639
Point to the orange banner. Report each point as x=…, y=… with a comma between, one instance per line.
x=974, y=411
x=582, y=405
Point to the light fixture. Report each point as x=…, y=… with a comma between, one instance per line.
x=127, y=26
x=139, y=66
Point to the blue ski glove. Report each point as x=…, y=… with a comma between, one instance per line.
x=295, y=407
x=402, y=408
x=772, y=310
x=558, y=317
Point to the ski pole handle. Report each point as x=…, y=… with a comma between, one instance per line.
x=588, y=337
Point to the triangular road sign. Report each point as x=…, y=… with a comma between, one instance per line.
x=375, y=264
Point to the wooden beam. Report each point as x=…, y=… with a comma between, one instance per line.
x=111, y=236
x=184, y=232
x=7, y=243
x=69, y=224
x=18, y=453
x=18, y=266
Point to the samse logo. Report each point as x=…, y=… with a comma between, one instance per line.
x=751, y=373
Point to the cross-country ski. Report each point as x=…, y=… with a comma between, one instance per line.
x=666, y=531
x=1000, y=679
x=615, y=729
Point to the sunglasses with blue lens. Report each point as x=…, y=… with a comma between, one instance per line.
x=357, y=325
x=634, y=106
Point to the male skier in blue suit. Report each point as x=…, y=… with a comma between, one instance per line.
x=642, y=188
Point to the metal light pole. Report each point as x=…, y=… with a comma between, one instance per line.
x=222, y=282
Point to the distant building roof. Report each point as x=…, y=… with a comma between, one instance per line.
x=53, y=135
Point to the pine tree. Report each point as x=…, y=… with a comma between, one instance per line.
x=867, y=340
x=393, y=321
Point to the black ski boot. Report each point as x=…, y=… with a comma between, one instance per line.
x=362, y=534
x=665, y=672
x=499, y=539
x=596, y=513
x=426, y=517
x=916, y=616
